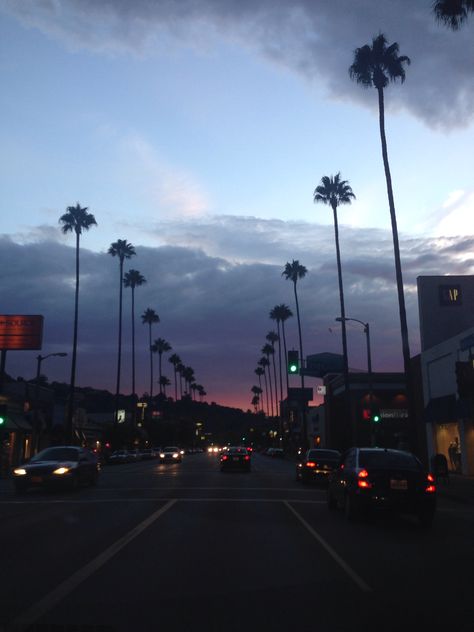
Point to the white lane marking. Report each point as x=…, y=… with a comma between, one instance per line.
x=85, y=501
x=337, y=558
x=48, y=602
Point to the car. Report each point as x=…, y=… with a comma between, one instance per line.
x=171, y=453
x=382, y=479
x=65, y=465
x=317, y=464
x=235, y=458
x=120, y=456
x=147, y=454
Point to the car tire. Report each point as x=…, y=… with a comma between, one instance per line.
x=331, y=501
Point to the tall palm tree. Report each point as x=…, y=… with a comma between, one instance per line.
x=453, y=13
x=160, y=346
x=149, y=317
x=281, y=313
x=175, y=360
x=123, y=250
x=201, y=392
x=268, y=351
x=334, y=191
x=164, y=382
x=180, y=370
x=76, y=219
x=188, y=375
x=255, y=402
x=257, y=391
x=375, y=66
x=264, y=362
x=133, y=279
x=272, y=337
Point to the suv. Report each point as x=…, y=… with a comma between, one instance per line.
x=369, y=478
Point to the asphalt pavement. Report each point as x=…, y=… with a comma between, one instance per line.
x=187, y=547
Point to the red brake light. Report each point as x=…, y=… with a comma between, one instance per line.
x=246, y=457
x=310, y=464
x=430, y=488
x=224, y=457
x=362, y=481
x=430, y=478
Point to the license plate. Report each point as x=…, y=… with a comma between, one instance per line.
x=398, y=484
x=36, y=479
x=235, y=458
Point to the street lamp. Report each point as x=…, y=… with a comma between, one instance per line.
x=39, y=360
x=369, y=369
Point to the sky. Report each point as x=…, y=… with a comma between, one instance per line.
x=198, y=130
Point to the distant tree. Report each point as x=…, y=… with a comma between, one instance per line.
x=175, y=360
x=149, y=317
x=272, y=337
x=160, y=346
x=255, y=403
x=76, y=219
x=293, y=272
x=264, y=363
x=188, y=374
x=267, y=351
x=333, y=191
x=164, y=382
x=257, y=391
x=133, y=279
x=453, y=13
x=376, y=66
x=123, y=250
x=180, y=370
x=281, y=313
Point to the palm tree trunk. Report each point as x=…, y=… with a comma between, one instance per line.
x=159, y=368
x=151, y=361
x=286, y=354
x=119, y=361
x=180, y=386
x=260, y=385
x=277, y=405
x=175, y=384
x=343, y=329
x=302, y=403
x=270, y=384
x=266, y=391
x=399, y=276
x=279, y=359
x=133, y=353
x=70, y=408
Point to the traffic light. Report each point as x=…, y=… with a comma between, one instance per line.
x=3, y=414
x=375, y=416
x=465, y=378
x=293, y=364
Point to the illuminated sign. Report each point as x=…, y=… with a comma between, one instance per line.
x=450, y=295
x=21, y=332
x=120, y=416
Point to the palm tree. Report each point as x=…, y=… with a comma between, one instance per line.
x=201, y=392
x=264, y=362
x=164, y=382
x=133, y=279
x=175, y=360
x=453, y=13
x=334, y=191
x=257, y=391
x=160, y=346
x=180, y=370
x=375, y=66
x=255, y=402
x=188, y=374
x=272, y=337
x=123, y=250
x=281, y=313
x=268, y=351
x=149, y=317
x=75, y=219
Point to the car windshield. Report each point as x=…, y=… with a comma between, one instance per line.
x=387, y=460
x=170, y=449
x=57, y=454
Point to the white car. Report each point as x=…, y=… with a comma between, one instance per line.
x=171, y=454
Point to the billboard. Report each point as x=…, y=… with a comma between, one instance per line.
x=21, y=332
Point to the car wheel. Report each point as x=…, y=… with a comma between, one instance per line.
x=331, y=501
x=350, y=511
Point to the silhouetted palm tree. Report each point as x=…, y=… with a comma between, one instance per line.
x=268, y=351
x=188, y=374
x=149, y=317
x=76, y=219
x=201, y=392
x=292, y=272
x=164, y=382
x=175, y=360
x=334, y=191
x=255, y=403
x=375, y=66
x=123, y=250
x=453, y=13
x=272, y=337
x=257, y=391
x=160, y=346
x=264, y=363
x=281, y=313
x=133, y=279
x=180, y=370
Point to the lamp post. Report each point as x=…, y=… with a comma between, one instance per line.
x=39, y=360
x=369, y=370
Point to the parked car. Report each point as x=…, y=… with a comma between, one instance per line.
x=382, y=479
x=171, y=453
x=120, y=456
x=317, y=464
x=70, y=466
x=147, y=454
x=235, y=458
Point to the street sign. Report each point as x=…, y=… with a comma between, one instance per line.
x=321, y=390
x=120, y=416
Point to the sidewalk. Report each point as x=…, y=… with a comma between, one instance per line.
x=458, y=487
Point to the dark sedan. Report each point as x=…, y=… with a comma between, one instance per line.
x=58, y=466
x=235, y=458
x=378, y=478
x=317, y=464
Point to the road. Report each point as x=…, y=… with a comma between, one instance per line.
x=186, y=547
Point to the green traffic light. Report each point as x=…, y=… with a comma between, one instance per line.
x=2, y=421
x=376, y=418
x=293, y=368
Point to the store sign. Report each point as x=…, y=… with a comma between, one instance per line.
x=21, y=332
x=120, y=416
x=394, y=413
x=450, y=295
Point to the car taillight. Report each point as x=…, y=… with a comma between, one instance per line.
x=310, y=464
x=362, y=481
x=430, y=488
x=224, y=457
x=246, y=457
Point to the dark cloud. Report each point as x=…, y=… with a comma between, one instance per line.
x=315, y=38
x=214, y=308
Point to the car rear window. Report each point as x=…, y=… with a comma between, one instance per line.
x=324, y=454
x=237, y=451
x=388, y=460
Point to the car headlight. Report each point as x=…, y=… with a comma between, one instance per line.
x=61, y=470
x=181, y=451
x=175, y=455
x=162, y=455
x=19, y=471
